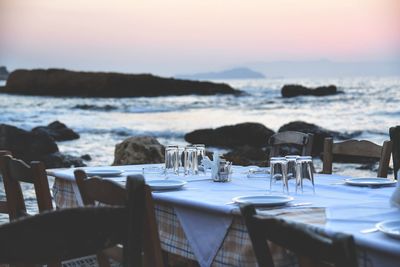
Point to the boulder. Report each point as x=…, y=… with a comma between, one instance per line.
x=35, y=146
x=243, y=134
x=139, y=150
x=319, y=134
x=60, y=82
x=59, y=131
x=25, y=145
x=248, y=155
x=60, y=160
x=292, y=90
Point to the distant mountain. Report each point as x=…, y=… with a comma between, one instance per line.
x=236, y=73
x=3, y=73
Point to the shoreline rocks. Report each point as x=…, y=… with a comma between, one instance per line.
x=60, y=82
x=31, y=146
x=251, y=134
x=139, y=150
x=293, y=90
x=58, y=130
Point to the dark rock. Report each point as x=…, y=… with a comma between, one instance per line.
x=86, y=157
x=247, y=155
x=319, y=134
x=59, y=131
x=59, y=160
x=59, y=82
x=95, y=107
x=139, y=150
x=292, y=90
x=25, y=145
x=251, y=134
x=3, y=73
x=32, y=146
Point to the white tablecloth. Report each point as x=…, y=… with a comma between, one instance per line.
x=204, y=209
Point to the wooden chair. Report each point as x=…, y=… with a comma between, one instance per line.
x=354, y=150
x=312, y=247
x=14, y=172
x=394, y=133
x=3, y=204
x=71, y=233
x=96, y=190
x=301, y=140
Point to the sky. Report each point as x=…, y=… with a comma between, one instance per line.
x=179, y=36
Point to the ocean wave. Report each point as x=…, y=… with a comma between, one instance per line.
x=125, y=132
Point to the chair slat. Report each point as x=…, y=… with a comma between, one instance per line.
x=291, y=138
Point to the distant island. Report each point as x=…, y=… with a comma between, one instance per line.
x=3, y=73
x=61, y=82
x=236, y=73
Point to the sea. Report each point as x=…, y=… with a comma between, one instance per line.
x=368, y=104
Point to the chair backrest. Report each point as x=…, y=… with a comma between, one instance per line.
x=394, y=133
x=15, y=171
x=3, y=204
x=313, y=247
x=96, y=190
x=291, y=138
x=71, y=233
x=354, y=150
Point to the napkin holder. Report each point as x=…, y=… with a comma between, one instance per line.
x=395, y=198
x=220, y=168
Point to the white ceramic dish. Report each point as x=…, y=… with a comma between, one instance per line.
x=264, y=200
x=165, y=184
x=391, y=228
x=104, y=173
x=374, y=182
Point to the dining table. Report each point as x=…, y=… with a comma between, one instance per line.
x=200, y=219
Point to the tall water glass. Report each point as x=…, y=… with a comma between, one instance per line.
x=201, y=152
x=279, y=172
x=171, y=159
x=304, y=170
x=190, y=160
x=291, y=166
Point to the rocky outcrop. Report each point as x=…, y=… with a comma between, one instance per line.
x=243, y=134
x=3, y=73
x=31, y=146
x=248, y=155
x=139, y=150
x=59, y=82
x=292, y=90
x=319, y=134
x=59, y=131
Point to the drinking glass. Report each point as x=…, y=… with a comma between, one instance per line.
x=171, y=159
x=279, y=172
x=304, y=170
x=291, y=166
x=201, y=152
x=190, y=160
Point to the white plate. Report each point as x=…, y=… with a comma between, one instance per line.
x=165, y=184
x=369, y=182
x=258, y=172
x=391, y=228
x=264, y=200
x=104, y=173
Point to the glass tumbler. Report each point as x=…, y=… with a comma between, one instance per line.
x=304, y=170
x=291, y=166
x=171, y=159
x=201, y=152
x=279, y=172
x=190, y=160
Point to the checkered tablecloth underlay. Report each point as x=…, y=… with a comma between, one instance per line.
x=236, y=249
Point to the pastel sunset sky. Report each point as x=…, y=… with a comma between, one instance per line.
x=178, y=36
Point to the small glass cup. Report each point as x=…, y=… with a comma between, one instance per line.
x=190, y=160
x=304, y=170
x=291, y=166
x=171, y=159
x=279, y=172
x=201, y=152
